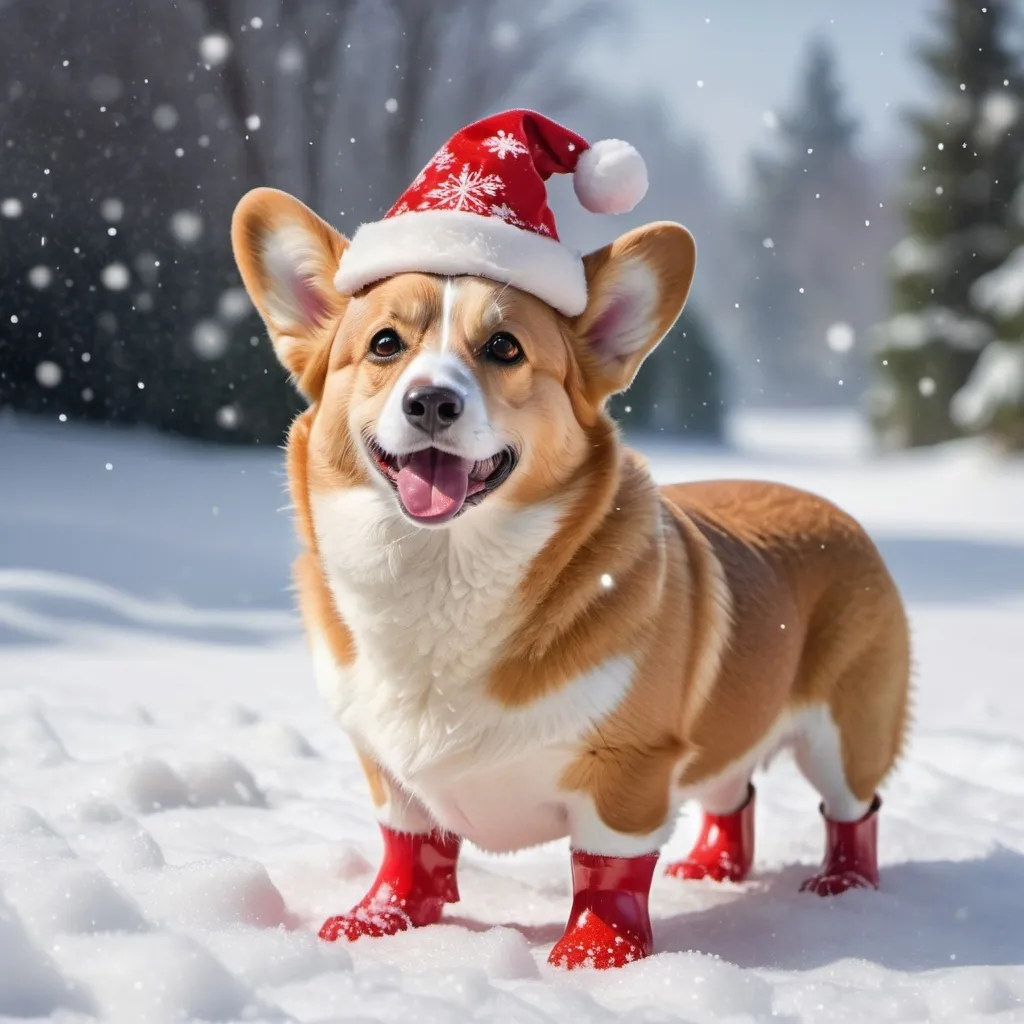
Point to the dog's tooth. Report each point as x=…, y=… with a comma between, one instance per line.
x=483, y=469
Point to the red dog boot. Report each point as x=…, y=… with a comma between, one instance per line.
x=851, y=855
x=416, y=879
x=724, y=851
x=609, y=924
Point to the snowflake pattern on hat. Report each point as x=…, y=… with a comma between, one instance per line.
x=503, y=145
x=469, y=190
x=507, y=214
x=442, y=158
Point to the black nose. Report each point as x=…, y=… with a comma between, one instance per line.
x=431, y=408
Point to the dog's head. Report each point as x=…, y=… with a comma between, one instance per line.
x=453, y=393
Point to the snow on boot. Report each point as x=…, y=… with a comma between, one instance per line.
x=415, y=881
x=851, y=855
x=724, y=850
x=609, y=924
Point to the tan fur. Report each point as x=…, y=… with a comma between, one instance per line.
x=821, y=622
x=739, y=602
x=315, y=600
x=376, y=780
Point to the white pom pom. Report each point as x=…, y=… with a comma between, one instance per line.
x=610, y=177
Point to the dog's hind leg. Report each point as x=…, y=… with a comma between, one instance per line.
x=851, y=821
x=845, y=748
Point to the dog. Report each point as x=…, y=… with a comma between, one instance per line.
x=524, y=636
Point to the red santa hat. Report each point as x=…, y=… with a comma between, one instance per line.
x=480, y=207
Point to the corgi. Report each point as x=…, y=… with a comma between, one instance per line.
x=524, y=636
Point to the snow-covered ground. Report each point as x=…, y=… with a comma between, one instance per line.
x=177, y=814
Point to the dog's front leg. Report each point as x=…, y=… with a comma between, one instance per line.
x=417, y=872
x=609, y=924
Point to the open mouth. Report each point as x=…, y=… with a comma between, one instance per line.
x=435, y=486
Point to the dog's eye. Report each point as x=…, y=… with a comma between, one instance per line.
x=385, y=345
x=503, y=348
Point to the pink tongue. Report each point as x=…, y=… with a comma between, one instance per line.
x=433, y=484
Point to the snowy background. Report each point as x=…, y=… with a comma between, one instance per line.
x=177, y=814
x=854, y=177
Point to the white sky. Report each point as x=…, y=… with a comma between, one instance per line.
x=748, y=54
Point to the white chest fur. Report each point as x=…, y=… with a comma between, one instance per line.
x=428, y=610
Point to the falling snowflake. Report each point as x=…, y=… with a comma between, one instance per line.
x=111, y=210
x=49, y=374
x=507, y=214
x=290, y=59
x=227, y=417
x=115, y=277
x=503, y=145
x=186, y=226
x=233, y=305
x=469, y=190
x=165, y=117
x=215, y=48
x=40, y=276
x=209, y=340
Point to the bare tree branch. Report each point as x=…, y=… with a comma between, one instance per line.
x=422, y=28
x=323, y=45
x=387, y=73
x=221, y=18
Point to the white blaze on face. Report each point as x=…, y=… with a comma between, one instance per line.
x=447, y=313
x=472, y=435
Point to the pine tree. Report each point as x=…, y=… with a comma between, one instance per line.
x=806, y=237
x=992, y=400
x=958, y=214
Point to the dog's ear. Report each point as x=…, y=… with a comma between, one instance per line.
x=636, y=288
x=287, y=257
